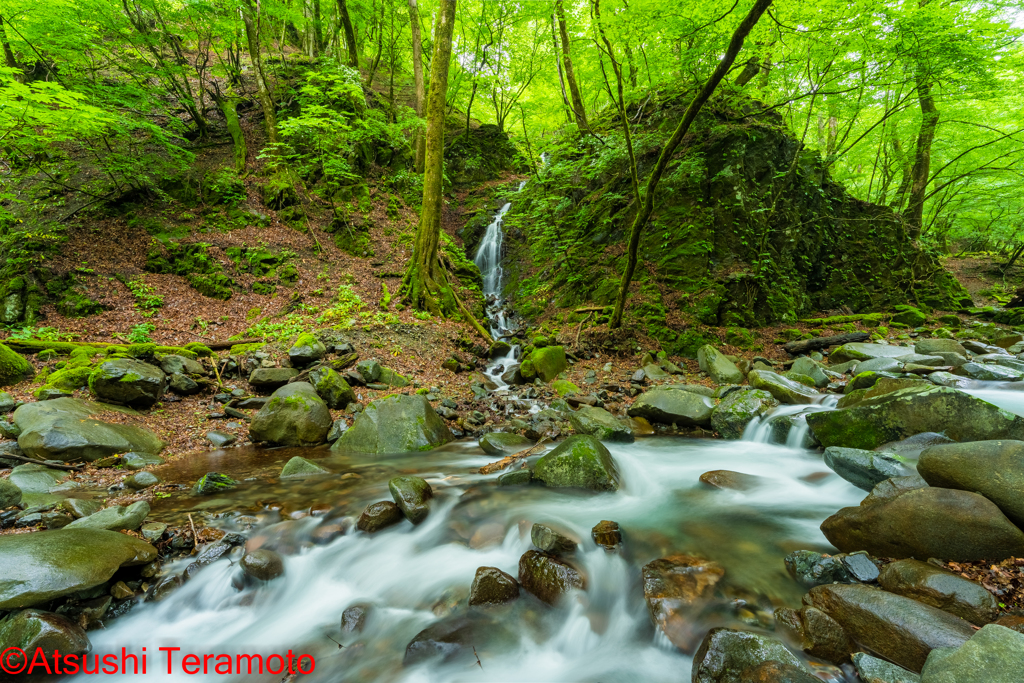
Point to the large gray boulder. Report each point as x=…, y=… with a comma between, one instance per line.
x=940, y=588
x=864, y=469
x=399, y=423
x=897, y=415
x=995, y=469
x=782, y=388
x=994, y=654
x=719, y=368
x=115, y=518
x=731, y=417
x=69, y=429
x=933, y=346
x=128, y=382
x=601, y=424
x=581, y=461
x=673, y=406
x=294, y=416
x=46, y=565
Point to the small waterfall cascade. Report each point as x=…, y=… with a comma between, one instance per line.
x=488, y=260
x=787, y=424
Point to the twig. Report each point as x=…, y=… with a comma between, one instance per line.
x=195, y=538
x=477, y=658
x=580, y=328
x=216, y=371
x=590, y=309
x=48, y=463
x=511, y=459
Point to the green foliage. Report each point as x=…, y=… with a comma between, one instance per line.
x=147, y=301
x=140, y=333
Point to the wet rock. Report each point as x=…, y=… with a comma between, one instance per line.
x=777, y=672
x=601, y=424
x=548, y=577
x=995, y=469
x=491, y=586
x=34, y=631
x=784, y=390
x=81, y=507
x=299, y=467
x=992, y=655
x=810, y=569
x=141, y=480
x=36, y=483
x=153, y=531
x=810, y=368
x=140, y=461
x=720, y=369
x=515, y=478
x=353, y=619
x=731, y=417
x=294, y=416
x=607, y=534
x=213, y=482
x=116, y=518
x=733, y=481
x=68, y=429
x=877, y=386
x=672, y=406
x=675, y=588
x=307, y=349
x=46, y=565
x=860, y=567
x=875, y=670
x=948, y=379
x=818, y=634
x=10, y=495
x=128, y=382
x=503, y=443
x=726, y=656
x=412, y=495
x=262, y=564
x=900, y=629
x=332, y=388
x=581, y=461
x=903, y=413
x=932, y=346
x=271, y=378
x=220, y=439
x=939, y=588
x=913, y=446
x=456, y=638
x=863, y=469
x=395, y=424
x=861, y=351
x=378, y=516
x=163, y=588
x=988, y=372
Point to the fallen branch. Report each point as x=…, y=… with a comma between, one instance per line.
x=512, y=459
x=794, y=348
x=590, y=309
x=219, y=346
x=580, y=328
x=49, y=463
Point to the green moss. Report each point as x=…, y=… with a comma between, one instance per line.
x=840, y=319
x=70, y=378
x=740, y=337
x=13, y=367
x=244, y=349
x=213, y=285
x=142, y=350
x=199, y=350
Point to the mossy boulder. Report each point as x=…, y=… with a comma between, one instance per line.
x=332, y=388
x=785, y=390
x=719, y=368
x=503, y=443
x=581, y=461
x=128, y=382
x=307, y=349
x=673, y=406
x=37, y=632
x=564, y=387
x=731, y=417
x=599, y=423
x=13, y=367
x=398, y=423
x=909, y=316
x=393, y=378
x=546, y=363
x=300, y=467
x=294, y=416
x=412, y=495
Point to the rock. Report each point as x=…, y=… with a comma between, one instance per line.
x=10, y=494
x=777, y=672
x=863, y=469
x=860, y=567
x=183, y=385
x=116, y=518
x=926, y=522
x=552, y=541
x=220, y=439
x=36, y=482
x=921, y=359
x=903, y=413
x=929, y=347
x=607, y=534
x=726, y=656
x=271, y=378
x=783, y=389
x=460, y=637
x=995, y=469
x=37, y=633
x=294, y=416
x=948, y=379
x=338, y=428
x=412, y=495
x=369, y=370
x=672, y=406
x=655, y=373
x=992, y=655
x=503, y=443
x=601, y=424
x=128, y=382
x=47, y=565
x=939, y=588
x=491, y=586
x=1012, y=621
x=811, y=569
x=153, y=531
x=395, y=424
x=900, y=629
x=499, y=349
x=675, y=588
x=731, y=417
x=818, y=634
x=14, y=369
x=878, y=386
x=332, y=388
x=719, y=368
x=307, y=349
x=862, y=351
x=378, y=516
x=390, y=378
x=581, y=461
x=734, y=481
x=353, y=619
x=548, y=577
x=141, y=480
x=875, y=670
x=68, y=430
x=912, y=446
x=989, y=373
x=173, y=364
x=140, y=461
x=262, y=564
x=806, y=366
x=213, y=482
x=515, y=478
x=299, y=467
x=544, y=363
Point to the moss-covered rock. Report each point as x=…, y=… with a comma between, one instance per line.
x=783, y=389
x=128, y=382
x=412, y=495
x=13, y=367
x=332, y=388
x=395, y=424
x=294, y=416
x=299, y=467
x=503, y=443
x=213, y=482
x=564, y=387
x=601, y=424
x=581, y=461
x=545, y=363
x=738, y=409
x=673, y=406
x=307, y=349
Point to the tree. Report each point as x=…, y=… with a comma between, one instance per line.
x=420, y=87
x=250, y=17
x=350, y=34
x=578, y=109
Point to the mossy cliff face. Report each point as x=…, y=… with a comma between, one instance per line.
x=748, y=229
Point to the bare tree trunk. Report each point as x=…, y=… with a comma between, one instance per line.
x=645, y=211
x=922, y=158
x=561, y=77
x=350, y=34
x=420, y=142
x=579, y=110
x=252, y=36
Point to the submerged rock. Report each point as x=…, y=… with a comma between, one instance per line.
x=673, y=406
x=395, y=424
x=458, y=637
x=553, y=541
x=735, y=481
x=548, y=577
x=675, y=588
x=294, y=416
x=491, y=586
x=729, y=656
x=581, y=461
x=412, y=495
x=995, y=469
x=940, y=588
x=300, y=467
x=738, y=409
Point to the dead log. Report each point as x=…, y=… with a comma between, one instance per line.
x=512, y=459
x=795, y=348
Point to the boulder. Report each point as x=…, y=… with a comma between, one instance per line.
x=879, y=386
x=729, y=656
x=911, y=447
x=948, y=379
x=174, y=364
x=548, y=577
x=36, y=483
x=332, y=388
x=412, y=495
x=729, y=480
x=810, y=368
x=988, y=372
x=271, y=378
x=116, y=518
x=262, y=564
x=862, y=351
x=46, y=565
x=10, y=494
x=940, y=588
x=993, y=655
x=14, y=369
x=68, y=429
x=307, y=349
x=875, y=670
x=545, y=363
x=34, y=631
x=719, y=368
x=900, y=629
x=395, y=424
x=378, y=516
x=503, y=443
x=294, y=416
x=553, y=541
x=731, y=417
x=601, y=424
x=299, y=467
x=818, y=634
x=393, y=379
x=995, y=469
x=581, y=461
x=926, y=522
x=930, y=347
x=783, y=389
x=128, y=382
x=491, y=586
x=676, y=588
x=183, y=385
x=863, y=469
x=905, y=412
x=673, y=406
